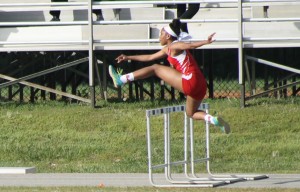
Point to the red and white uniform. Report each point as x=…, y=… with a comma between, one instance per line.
x=193, y=81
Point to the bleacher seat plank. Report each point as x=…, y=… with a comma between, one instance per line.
x=120, y=32
x=272, y=29
x=202, y=30
x=276, y=11
x=143, y=14
x=40, y=33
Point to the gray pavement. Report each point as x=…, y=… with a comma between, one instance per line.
x=132, y=180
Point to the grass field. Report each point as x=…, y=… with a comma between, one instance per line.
x=56, y=137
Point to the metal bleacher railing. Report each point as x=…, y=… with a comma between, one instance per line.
x=239, y=24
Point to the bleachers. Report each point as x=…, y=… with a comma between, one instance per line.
x=70, y=34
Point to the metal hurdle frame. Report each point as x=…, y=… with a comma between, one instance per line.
x=190, y=179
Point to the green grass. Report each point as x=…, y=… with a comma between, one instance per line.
x=56, y=137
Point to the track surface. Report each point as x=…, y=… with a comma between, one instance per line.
x=131, y=180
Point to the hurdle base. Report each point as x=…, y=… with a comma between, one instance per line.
x=253, y=177
x=228, y=180
x=224, y=179
x=250, y=177
x=198, y=184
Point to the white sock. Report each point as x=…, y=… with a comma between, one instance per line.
x=127, y=77
x=209, y=118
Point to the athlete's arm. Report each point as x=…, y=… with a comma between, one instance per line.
x=143, y=58
x=193, y=45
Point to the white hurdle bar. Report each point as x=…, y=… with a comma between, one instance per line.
x=190, y=179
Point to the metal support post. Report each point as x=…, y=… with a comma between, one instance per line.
x=241, y=53
x=91, y=53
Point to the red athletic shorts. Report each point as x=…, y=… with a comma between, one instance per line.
x=194, y=85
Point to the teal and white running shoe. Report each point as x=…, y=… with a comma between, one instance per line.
x=224, y=126
x=115, y=75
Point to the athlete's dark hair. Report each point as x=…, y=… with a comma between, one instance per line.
x=175, y=26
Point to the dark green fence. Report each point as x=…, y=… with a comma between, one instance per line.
x=220, y=67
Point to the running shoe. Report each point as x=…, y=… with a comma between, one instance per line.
x=115, y=75
x=224, y=126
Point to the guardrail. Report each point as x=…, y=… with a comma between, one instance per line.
x=267, y=89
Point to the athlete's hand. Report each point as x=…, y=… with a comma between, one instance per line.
x=121, y=58
x=210, y=38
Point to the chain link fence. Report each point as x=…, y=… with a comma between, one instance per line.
x=219, y=66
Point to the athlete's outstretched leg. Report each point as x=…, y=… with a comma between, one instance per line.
x=168, y=74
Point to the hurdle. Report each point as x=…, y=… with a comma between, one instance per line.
x=188, y=177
